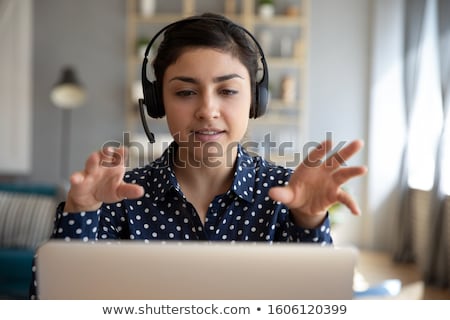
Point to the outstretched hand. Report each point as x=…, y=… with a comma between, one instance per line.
x=315, y=184
x=101, y=181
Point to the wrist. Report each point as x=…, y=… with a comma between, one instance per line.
x=72, y=206
x=308, y=221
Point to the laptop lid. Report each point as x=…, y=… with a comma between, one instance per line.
x=193, y=270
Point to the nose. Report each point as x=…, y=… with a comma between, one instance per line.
x=209, y=107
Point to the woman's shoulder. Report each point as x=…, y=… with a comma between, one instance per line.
x=158, y=166
x=135, y=174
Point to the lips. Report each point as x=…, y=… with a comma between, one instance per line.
x=208, y=134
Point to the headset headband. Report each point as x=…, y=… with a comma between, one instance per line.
x=263, y=80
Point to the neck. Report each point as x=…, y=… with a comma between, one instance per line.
x=201, y=178
x=205, y=159
x=213, y=175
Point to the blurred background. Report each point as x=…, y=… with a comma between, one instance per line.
x=375, y=70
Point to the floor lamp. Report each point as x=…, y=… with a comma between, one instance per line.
x=67, y=94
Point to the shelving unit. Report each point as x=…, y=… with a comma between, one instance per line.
x=283, y=37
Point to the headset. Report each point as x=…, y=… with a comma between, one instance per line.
x=153, y=101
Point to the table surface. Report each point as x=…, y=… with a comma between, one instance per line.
x=374, y=267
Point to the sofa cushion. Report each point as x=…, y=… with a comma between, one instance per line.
x=26, y=220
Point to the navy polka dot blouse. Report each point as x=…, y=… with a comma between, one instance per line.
x=244, y=213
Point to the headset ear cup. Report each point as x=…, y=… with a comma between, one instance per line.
x=152, y=100
x=159, y=105
x=261, y=101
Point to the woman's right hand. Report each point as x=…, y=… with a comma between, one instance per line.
x=100, y=182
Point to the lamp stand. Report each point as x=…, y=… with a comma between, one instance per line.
x=65, y=146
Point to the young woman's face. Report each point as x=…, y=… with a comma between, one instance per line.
x=207, y=97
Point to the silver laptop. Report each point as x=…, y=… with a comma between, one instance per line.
x=193, y=270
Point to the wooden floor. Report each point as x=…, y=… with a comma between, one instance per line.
x=375, y=267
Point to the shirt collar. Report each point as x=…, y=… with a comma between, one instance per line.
x=162, y=177
x=244, y=175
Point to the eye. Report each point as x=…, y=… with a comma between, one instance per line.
x=228, y=92
x=184, y=93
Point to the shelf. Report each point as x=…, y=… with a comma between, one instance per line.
x=160, y=18
x=281, y=21
x=273, y=62
x=292, y=62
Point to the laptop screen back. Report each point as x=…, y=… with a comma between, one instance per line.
x=193, y=270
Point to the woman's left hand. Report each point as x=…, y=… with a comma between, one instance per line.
x=315, y=185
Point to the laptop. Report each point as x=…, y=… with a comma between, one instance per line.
x=193, y=270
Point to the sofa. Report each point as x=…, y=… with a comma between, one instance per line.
x=26, y=220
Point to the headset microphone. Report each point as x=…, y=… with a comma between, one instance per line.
x=150, y=135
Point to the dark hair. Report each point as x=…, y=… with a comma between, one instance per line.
x=210, y=31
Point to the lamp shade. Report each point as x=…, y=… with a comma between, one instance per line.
x=68, y=93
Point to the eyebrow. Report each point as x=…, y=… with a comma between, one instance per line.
x=215, y=80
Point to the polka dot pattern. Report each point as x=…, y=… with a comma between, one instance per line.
x=244, y=213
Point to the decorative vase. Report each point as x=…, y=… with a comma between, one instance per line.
x=266, y=10
x=147, y=7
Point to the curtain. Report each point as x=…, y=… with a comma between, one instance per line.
x=414, y=15
x=437, y=270
x=15, y=86
x=423, y=221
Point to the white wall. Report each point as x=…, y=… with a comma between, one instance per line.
x=339, y=60
x=15, y=86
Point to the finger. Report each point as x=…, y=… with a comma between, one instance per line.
x=348, y=201
x=130, y=191
x=344, y=174
x=110, y=157
x=124, y=154
x=113, y=157
x=92, y=162
x=339, y=157
x=77, y=184
x=313, y=159
x=119, y=155
x=282, y=194
x=76, y=178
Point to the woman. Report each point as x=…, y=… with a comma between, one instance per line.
x=206, y=186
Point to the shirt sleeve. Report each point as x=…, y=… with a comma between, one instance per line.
x=320, y=235
x=76, y=225
x=104, y=223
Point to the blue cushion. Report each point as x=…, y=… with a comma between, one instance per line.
x=15, y=273
x=38, y=189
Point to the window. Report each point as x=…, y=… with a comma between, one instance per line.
x=427, y=116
